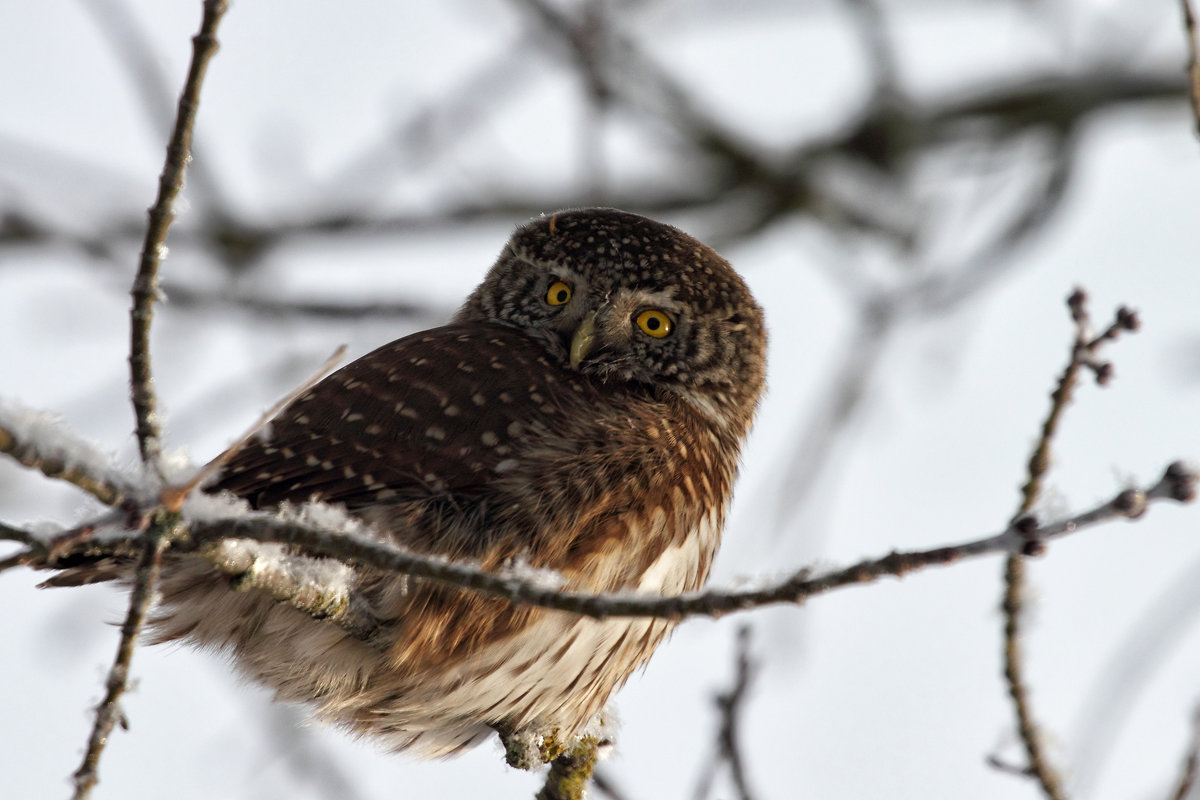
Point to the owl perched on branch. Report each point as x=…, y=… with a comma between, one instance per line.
x=582, y=413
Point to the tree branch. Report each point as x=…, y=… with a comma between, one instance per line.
x=38, y=441
x=570, y=772
x=164, y=525
x=163, y=528
x=170, y=183
x=1083, y=355
x=1178, y=483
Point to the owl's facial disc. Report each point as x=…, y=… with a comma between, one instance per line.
x=624, y=299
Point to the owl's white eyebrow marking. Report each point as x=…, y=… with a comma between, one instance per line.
x=664, y=299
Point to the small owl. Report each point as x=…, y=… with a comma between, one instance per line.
x=582, y=413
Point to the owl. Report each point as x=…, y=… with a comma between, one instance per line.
x=582, y=413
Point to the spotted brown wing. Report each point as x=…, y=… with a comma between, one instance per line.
x=434, y=414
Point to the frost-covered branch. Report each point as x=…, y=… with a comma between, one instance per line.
x=41, y=441
x=319, y=539
x=1025, y=535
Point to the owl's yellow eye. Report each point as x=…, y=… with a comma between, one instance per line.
x=558, y=294
x=654, y=323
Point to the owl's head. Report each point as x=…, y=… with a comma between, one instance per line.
x=622, y=298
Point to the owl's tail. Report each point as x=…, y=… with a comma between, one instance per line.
x=97, y=570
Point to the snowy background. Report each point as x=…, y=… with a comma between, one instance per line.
x=888, y=690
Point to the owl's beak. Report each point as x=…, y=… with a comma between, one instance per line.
x=583, y=340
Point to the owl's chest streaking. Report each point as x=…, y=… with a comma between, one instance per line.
x=473, y=441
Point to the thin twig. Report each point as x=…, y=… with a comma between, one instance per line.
x=1038, y=766
x=170, y=183
x=108, y=713
x=1083, y=355
x=163, y=524
x=1189, y=27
